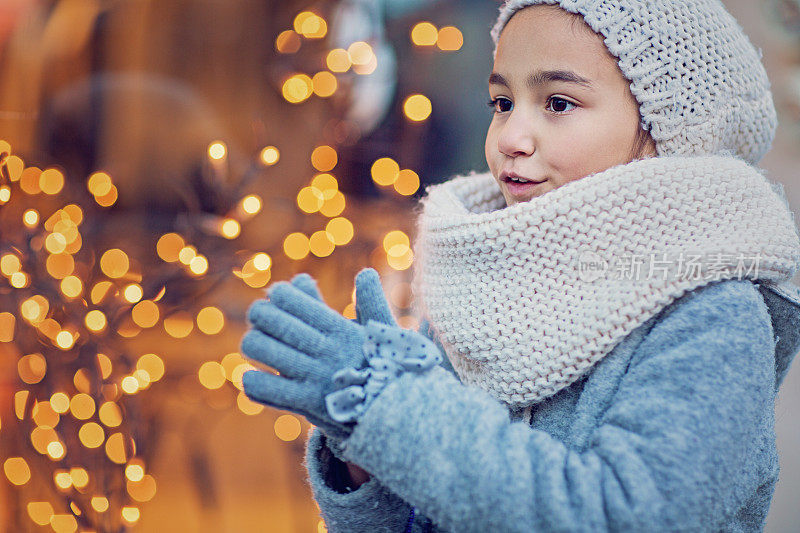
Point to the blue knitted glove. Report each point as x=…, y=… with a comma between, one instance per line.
x=308, y=285
x=307, y=342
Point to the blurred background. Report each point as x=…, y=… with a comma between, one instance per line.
x=161, y=162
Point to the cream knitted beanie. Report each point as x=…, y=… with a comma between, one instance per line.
x=699, y=81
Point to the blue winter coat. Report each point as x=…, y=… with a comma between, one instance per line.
x=672, y=431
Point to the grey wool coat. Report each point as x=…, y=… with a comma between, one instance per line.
x=672, y=431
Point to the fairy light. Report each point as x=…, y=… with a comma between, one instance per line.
x=198, y=265
x=59, y=402
x=338, y=60
x=179, y=325
x=32, y=368
x=30, y=218
x=51, y=181
x=186, y=254
x=145, y=314
x=130, y=514
x=296, y=246
x=217, y=150
x=297, y=88
x=82, y=406
x=80, y=477
x=56, y=450
x=101, y=292
x=251, y=204
x=7, y=321
x=424, y=34
x=326, y=184
x=114, y=263
x=142, y=377
x=99, y=184
x=110, y=414
x=287, y=428
x=71, y=286
x=262, y=261
x=340, y=230
x=40, y=512
x=248, y=406
x=360, y=53
x=63, y=523
x=417, y=107
x=210, y=320
x=17, y=470
x=130, y=384
x=65, y=340
x=385, y=171
x=449, y=39
x=18, y=280
x=230, y=228
x=324, y=158
x=134, y=472
x=211, y=375
x=407, y=182
x=133, y=293
x=99, y=504
x=62, y=480
x=169, y=246
x=320, y=244
x=333, y=206
x=287, y=42
x=324, y=84
x=269, y=155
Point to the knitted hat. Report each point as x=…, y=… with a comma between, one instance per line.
x=699, y=81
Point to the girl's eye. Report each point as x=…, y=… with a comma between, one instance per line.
x=498, y=101
x=559, y=104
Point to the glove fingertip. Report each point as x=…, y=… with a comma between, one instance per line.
x=249, y=381
x=366, y=273
x=307, y=284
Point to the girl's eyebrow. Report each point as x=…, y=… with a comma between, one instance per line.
x=540, y=77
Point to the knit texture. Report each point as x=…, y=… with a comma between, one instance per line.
x=511, y=292
x=698, y=79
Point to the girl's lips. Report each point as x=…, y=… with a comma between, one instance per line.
x=521, y=189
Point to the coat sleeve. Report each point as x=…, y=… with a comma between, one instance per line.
x=370, y=508
x=673, y=452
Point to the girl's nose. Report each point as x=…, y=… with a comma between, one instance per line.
x=516, y=137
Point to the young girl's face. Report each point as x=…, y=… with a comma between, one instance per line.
x=562, y=108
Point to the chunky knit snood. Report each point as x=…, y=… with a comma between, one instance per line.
x=525, y=299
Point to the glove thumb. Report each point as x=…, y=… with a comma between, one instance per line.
x=371, y=303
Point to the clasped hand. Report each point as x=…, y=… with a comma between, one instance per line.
x=318, y=352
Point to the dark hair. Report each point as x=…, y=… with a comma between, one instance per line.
x=639, y=143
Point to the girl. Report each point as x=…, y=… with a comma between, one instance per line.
x=609, y=305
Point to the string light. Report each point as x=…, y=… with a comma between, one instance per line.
x=269, y=155
x=417, y=107
x=94, y=297
x=217, y=150
x=449, y=39
x=424, y=34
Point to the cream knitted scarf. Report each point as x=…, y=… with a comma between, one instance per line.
x=525, y=299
